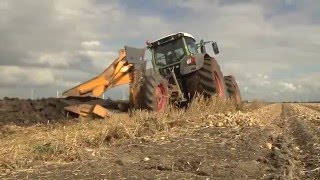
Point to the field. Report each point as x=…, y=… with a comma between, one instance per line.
x=210, y=140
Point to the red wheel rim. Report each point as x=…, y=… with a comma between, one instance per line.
x=218, y=83
x=161, y=97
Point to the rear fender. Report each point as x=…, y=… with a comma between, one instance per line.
x=199, y=62
x=135, y=56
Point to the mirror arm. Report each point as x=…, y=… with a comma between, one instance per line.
x=202, y=43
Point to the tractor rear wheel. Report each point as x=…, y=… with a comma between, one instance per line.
x=233, y=88
x=207, y=81
x=154, y=93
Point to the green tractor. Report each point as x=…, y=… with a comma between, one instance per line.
x=179, y=73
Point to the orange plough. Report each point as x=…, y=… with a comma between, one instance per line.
x=121, y=71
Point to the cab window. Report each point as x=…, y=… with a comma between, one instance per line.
x=191, y=45
x=169, y=53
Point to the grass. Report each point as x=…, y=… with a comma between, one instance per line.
x=23, y=147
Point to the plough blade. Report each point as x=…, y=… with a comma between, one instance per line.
x=87, y=109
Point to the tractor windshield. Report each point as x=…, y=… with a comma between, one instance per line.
x=191, y=44
x=169, y=52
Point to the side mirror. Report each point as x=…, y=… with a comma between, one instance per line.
x=215, y=48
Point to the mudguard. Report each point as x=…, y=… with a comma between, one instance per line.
x=186, y=69
x=135, y=56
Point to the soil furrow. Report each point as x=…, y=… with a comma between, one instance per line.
x=306, y=138
x=313, y=107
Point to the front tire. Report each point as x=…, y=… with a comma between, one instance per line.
x=207, y=81
x=154, y=93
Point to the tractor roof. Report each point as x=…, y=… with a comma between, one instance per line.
x=182, y=34
x=170, y=37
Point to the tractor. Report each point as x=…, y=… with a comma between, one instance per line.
x=182, y=69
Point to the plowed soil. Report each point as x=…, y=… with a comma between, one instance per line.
x=282, y=143
x=26, y=112
x=313, y=106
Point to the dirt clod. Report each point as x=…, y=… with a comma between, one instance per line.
x=268, y=146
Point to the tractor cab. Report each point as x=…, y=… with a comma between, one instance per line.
x=172, y=49
x=177, y=50
x=176, y=57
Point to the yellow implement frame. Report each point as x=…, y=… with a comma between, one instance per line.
x=118, y=73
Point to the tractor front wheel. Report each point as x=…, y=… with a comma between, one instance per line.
x=154, y=93
x=207, y=81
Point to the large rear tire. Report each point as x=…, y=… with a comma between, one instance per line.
x=207, y=81
x=153, y=94
x=233, y=88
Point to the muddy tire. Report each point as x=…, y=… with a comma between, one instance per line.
x=135, y=87
x=233, y=88
x=207, y=81
x=153, y=94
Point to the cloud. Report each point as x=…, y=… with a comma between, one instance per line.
x=289, y=86
x=18, y=76
x=263, y=43
x=88, y=44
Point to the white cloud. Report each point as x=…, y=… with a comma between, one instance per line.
x=58, y=59
x=19, y=77
x=289, y=86
x=265, y=82
x=89, y=44
x=261, y=45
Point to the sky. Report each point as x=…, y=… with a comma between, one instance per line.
x=270, y=46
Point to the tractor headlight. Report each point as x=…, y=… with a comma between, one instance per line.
x=191, y=61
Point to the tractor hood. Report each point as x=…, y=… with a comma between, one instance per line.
x=193, y=63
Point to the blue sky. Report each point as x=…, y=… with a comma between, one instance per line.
x=271, y=46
